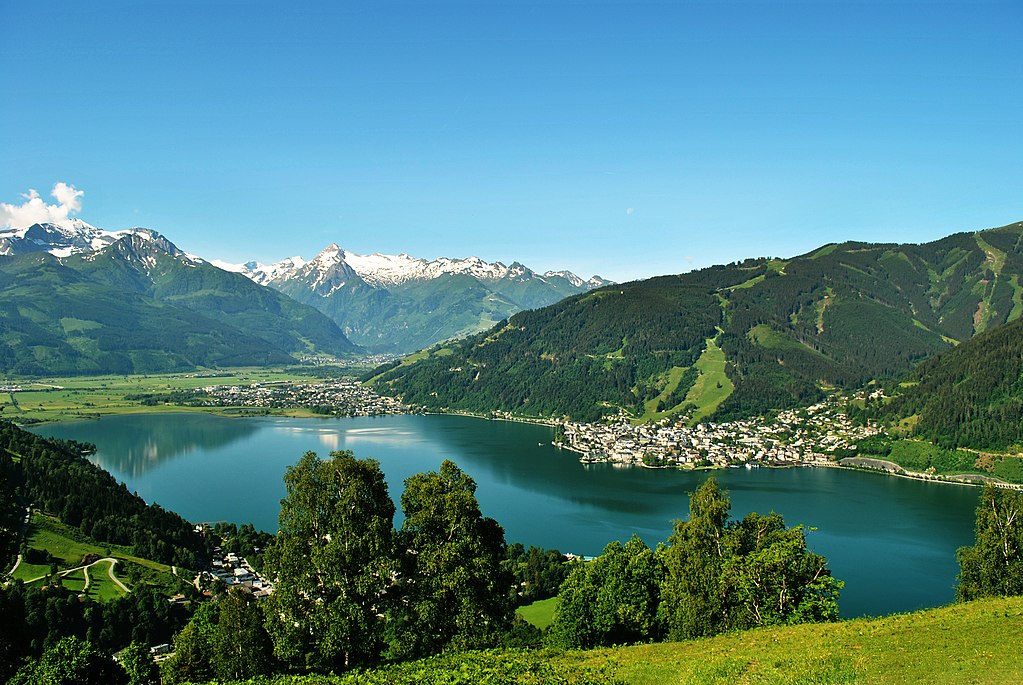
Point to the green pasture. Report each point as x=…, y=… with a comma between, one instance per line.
x=976, y=642
x=55, y=399
x=650, y=406
x=68, y=546
x=540, y=613
x=713, y=385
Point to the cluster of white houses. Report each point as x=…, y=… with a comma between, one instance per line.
x=234, y=571
x=817, y=434
x=341, y=397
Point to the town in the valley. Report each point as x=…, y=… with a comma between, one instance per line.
x=817, y=435
x=344, y=396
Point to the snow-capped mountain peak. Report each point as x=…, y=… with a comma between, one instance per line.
x=388, y=271
x=77, y=237
x=568, y=276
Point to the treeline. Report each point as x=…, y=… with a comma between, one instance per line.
x=55, y=476
x=36, y=618
x=351, y=591
x=713, y=576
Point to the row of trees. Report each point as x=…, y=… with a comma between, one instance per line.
x=350, y=590
x=713, y=575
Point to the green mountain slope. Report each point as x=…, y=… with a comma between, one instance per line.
x=140, y=306
x=841, y=315
x=970, y=396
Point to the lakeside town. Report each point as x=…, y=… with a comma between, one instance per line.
x=817, y=435
x=344, y=396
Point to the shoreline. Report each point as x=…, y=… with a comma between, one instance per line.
x=884, y=467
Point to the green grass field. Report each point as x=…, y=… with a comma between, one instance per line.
x=713, y=385
x=650, y=406
x=55, y=399
x=101, y=588
x=49, y=534
x=977, y=642
x=541, y=613
x=68, y=546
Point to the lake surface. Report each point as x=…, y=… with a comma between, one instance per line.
x=892, y=540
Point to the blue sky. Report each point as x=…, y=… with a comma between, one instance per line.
x=628, y=139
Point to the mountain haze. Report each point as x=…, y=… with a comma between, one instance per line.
x=731, y=340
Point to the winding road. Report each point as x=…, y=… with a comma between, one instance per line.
x=85, y=571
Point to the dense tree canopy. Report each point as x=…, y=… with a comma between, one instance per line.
x=225, y=640
x=725, y=575
x=610, y=600
x=56, y=477
x=332, y=563
x=454, y=590
x=714, y=575
x=71, y=661
x=537, y=573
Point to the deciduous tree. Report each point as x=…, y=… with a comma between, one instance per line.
x=610, y=600
x=454, y=589
x=691, y=593
x=723, y=575
x=993, y=566
x=138, y=663
x=71, y=662
x=332, y=563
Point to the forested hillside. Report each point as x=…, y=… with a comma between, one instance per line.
x=840, y=315
x=143, y=306
x=55, y=477
x=970, y=396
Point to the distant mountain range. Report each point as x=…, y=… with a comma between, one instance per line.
x=400, y=304
x=79, y=299
x=132, y=302
x=733, y=340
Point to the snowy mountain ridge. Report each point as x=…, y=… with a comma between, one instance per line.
x=387, y=271
x=80, y=238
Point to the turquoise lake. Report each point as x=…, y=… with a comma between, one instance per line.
x=892, y=540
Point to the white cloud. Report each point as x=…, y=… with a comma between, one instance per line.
x=629, y=211
x=34, y=210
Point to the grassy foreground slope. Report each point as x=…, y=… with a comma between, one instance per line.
x=974, y=642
